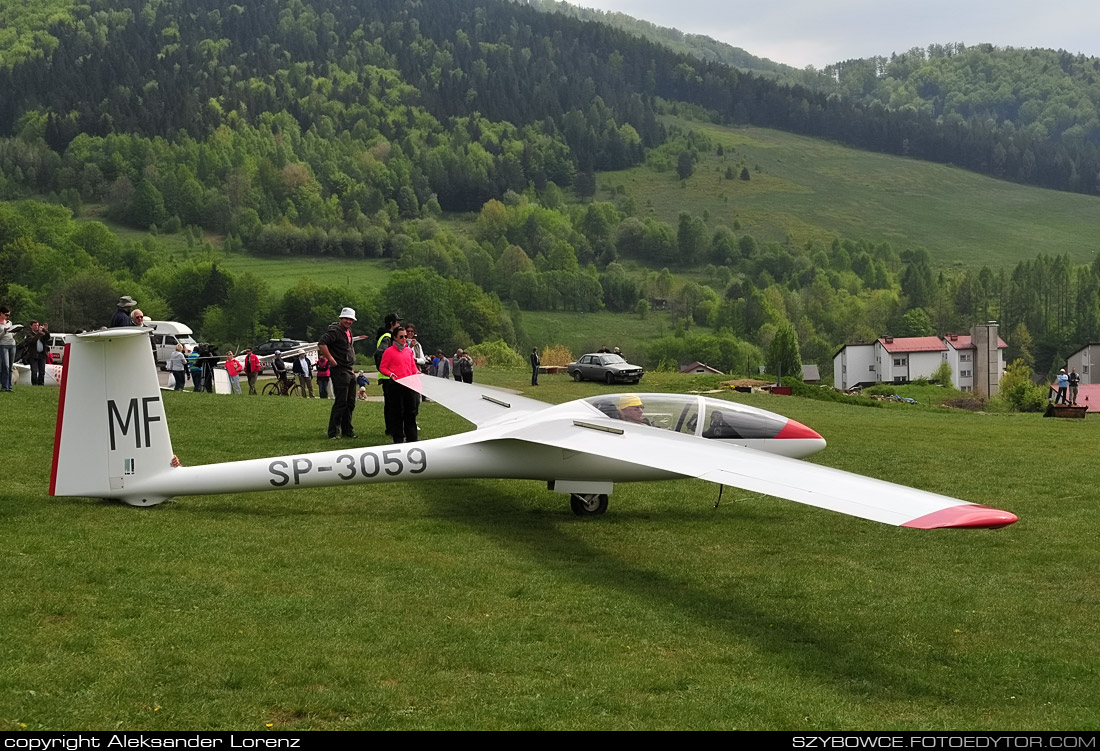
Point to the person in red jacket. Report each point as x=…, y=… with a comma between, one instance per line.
x=252, y=368
x=324, y=373
x=397, y=362
x=233, y=368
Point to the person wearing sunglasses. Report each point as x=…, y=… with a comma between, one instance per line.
x=401, y=404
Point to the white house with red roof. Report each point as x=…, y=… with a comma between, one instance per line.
x=976, y=362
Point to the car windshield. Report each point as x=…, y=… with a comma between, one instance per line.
x=613, y=360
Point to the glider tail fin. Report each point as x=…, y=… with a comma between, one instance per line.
x=112, y=433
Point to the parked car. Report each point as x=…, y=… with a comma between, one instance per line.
x=606, y=367
x=166, y=335
x=271, y=346
x=57, y=347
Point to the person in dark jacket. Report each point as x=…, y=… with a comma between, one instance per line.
x=535, y=366
x=121, y=316
x=36, y=343
x=336, y=345
x=303, y=369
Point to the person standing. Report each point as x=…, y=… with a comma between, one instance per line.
x=323, y=375
x=121, y=316
x=1063, y=385
x=402, y=402
x=252, y=368
x=177, y=366
x=335, y=344
x=417, y=350
x=384, y=342
x=35, y=346
x=441, y=365
x=7, y=348
x=464, y=368
x=303, y=369
x=535, y=366
x=455, y=367
x=137, y=318
x=195, y=368
x=233, y=368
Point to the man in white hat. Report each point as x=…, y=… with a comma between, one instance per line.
x=335, y=344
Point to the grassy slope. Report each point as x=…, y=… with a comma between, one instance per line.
x=486, y=604
x=816, y=190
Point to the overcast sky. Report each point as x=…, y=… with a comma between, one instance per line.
x=821, y=32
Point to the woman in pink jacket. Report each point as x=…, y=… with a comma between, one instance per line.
x=401, y=402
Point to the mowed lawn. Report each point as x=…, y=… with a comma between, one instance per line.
x=488, y=605
x=803, y=189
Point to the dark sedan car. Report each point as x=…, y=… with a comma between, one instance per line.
x=272, y=345
x=605, y=367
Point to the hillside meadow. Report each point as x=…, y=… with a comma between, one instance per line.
x=809, y=189
x=489, y=605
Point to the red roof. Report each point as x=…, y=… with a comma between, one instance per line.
x=962, y=341
x=912, y=344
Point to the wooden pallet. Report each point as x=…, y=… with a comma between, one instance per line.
x=1066, y=410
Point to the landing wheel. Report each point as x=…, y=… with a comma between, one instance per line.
x=588, y=504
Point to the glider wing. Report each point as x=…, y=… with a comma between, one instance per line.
x=481, y=405
x=761, y=472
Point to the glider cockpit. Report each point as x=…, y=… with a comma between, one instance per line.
x=716, y=419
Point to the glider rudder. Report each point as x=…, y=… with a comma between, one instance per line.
x=111, y=428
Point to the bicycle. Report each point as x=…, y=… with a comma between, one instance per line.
x=272, y=389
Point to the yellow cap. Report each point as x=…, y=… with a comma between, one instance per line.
x=629, y=400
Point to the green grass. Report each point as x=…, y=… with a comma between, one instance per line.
x=282, y=274
x=487, y=604
x=588, y=332
x=816, y=190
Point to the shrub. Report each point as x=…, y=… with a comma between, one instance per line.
x=1019, y=392
x=556, y=355
x=497, y=354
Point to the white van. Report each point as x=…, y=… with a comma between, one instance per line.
x=57, y=347
x=166, y=335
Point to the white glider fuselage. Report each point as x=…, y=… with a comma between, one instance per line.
x=490, y=452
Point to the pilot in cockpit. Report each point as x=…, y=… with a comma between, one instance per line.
x=631, y=409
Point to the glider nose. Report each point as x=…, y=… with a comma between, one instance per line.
x=802, y=440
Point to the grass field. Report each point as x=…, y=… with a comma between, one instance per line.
x=588, y=332
x=487, y=604
x=817, y=190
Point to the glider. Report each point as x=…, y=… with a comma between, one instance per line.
x=112, y=441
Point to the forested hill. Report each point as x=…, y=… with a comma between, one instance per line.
x=697, y=45
x=1006, y=97
x=158, y=68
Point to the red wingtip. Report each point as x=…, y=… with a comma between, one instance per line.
x=794, y=429
x=967, y=516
